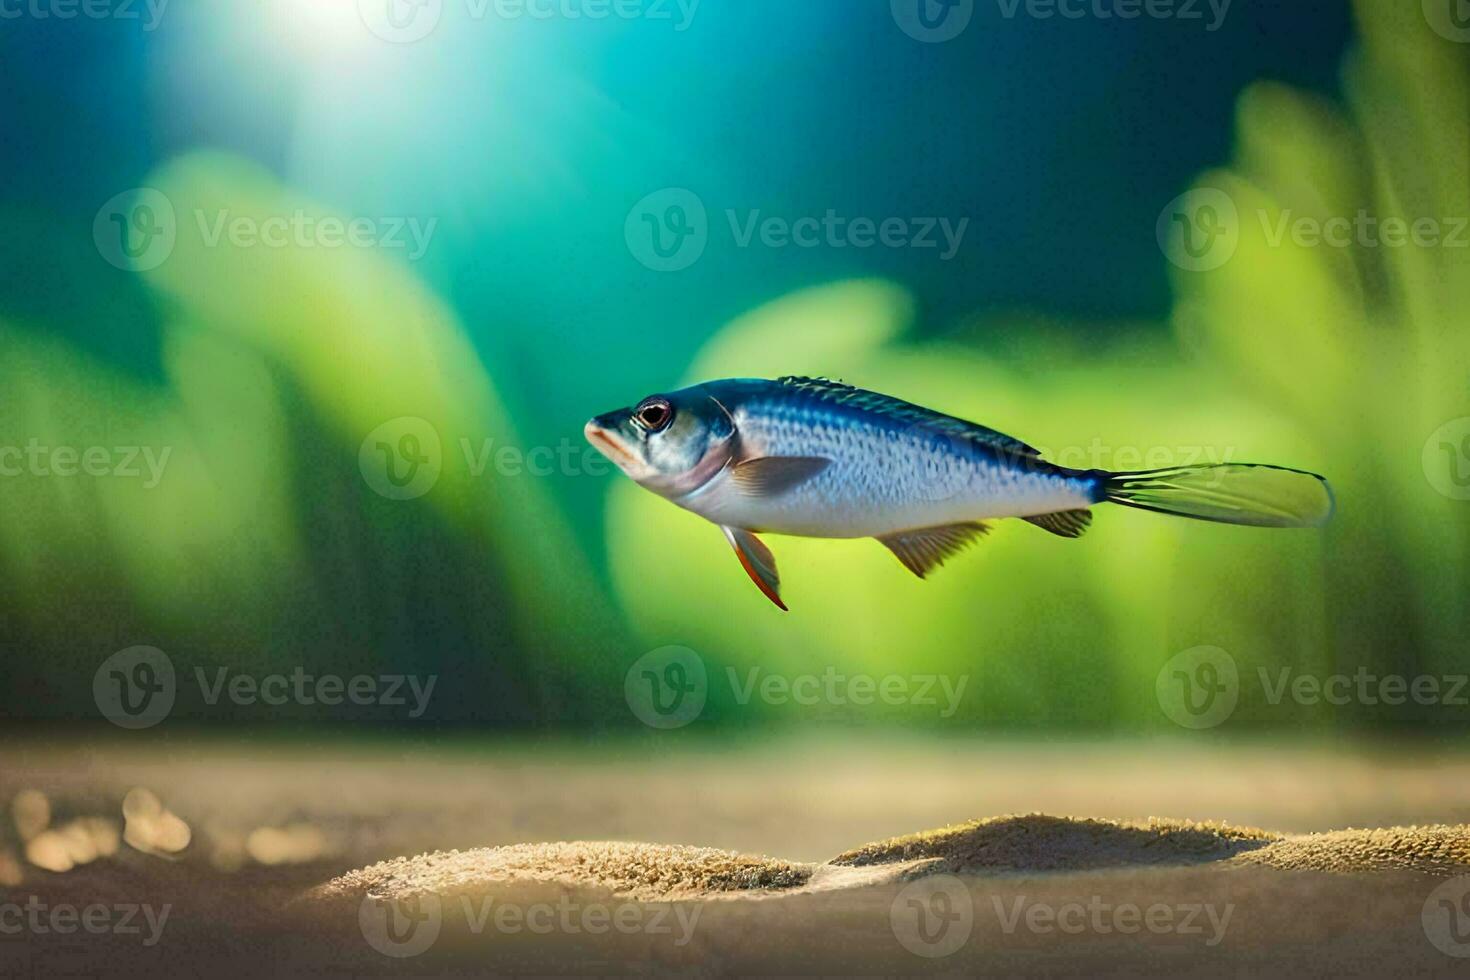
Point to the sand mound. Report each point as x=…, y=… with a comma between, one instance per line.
x=1437, y=850
x=1030, y=844
x=1037, y=842
x=639, y=871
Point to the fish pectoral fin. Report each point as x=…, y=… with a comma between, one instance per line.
x=768, y=476
x=757, y=561
x=926, y=548
x=1064, y=523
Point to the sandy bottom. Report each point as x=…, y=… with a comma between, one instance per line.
x=325, y=860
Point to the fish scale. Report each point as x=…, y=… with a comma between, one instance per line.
x=883, y=478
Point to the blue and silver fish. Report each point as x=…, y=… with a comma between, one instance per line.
x=819, y=459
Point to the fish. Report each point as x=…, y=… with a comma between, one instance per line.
x=816, y=458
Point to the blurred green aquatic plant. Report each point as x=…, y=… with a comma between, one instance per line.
x=1365, y=347
x=260, y=543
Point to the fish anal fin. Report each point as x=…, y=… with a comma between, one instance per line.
x=770, y=476
x=1064, y=523
x=925, y=549
x=757, y=561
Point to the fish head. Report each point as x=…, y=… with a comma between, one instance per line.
x=671, y=444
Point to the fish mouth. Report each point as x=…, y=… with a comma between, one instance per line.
x=608, y=444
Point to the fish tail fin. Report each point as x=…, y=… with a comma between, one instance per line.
x=1252, y=494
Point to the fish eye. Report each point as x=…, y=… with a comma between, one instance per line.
x=654, y=414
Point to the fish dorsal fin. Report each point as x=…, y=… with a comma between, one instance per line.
x=770, y=476
x=757, y=561
x=926, y=548
x=1064, y=523
x=907, y=414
